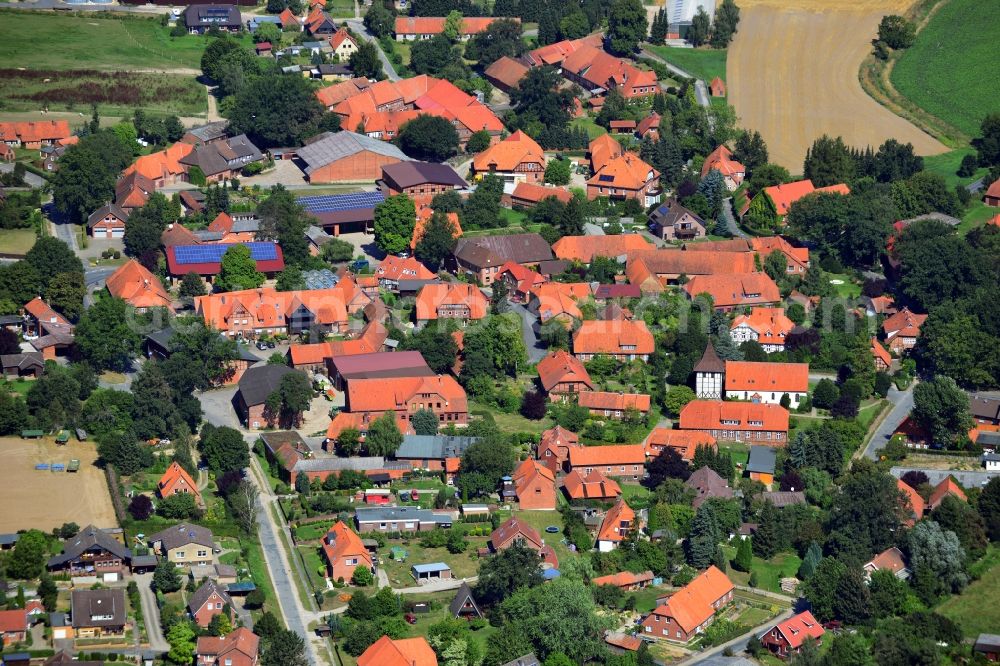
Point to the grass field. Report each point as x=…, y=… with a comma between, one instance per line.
x=16, y=241
x=769, y=572
x=340, y=8
x=705, y=64
x=513, y=422
x=950, y=68
x=115, y=93
x=976, y=610
x=586, y=122
x=976, y=216
x=946, y=164
x=95, y=42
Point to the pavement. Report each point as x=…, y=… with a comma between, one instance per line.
x=968, y=479
x=151, y=612
x=359, y=29
x=731, y=224
x=536, y=351
x=902, y=403
x=30, y=179
x=714, y=656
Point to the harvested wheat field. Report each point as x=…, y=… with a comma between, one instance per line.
x=43, y=499
x=792, y=74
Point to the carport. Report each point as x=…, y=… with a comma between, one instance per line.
x=434, y=571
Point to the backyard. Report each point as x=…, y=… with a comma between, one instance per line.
x=976, y=610
x=705, y=64
x=16, y=241
x=769, y=572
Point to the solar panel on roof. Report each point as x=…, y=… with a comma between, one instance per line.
x=338, y=202
x=212, y=254
x=605, y=178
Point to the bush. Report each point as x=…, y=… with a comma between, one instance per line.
x=362, y=577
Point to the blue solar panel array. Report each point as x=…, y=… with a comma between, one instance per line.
x=212, y=254
x=338, y=202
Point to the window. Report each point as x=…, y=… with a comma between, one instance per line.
x=180, y=554
x=352, y=561
x=202, y=553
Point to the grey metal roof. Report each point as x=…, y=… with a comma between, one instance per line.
x=329, y=147
x=761, y=460
x=431, y=568
x=434, y=446
x=259, y=382
x=358, y=464
x=210, y=131
x=783, y=498
x=9, y=539
x=378, y=514
x=183, y=534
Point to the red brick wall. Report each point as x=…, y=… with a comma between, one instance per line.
x=362, y=166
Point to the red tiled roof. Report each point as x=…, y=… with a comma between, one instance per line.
x=904, y=323
x=35, y=131
x=602, y=150
x=585, y=248
x=798, y=628
x=269, y=308
x=507, y=71
x=733, y=290
x=948, y=486
x=163, y=163
x=561, y=366
x=610, y=400
x=623, y=579
x=346, y=420
x=553, y=54
x=770, y=324
x=691, y=606
x=617, y=523
x=607, y=455
x=914, y=503
x=516, y=149
x=764, y=376
x=432, y=297
x=890, y=559
x=721, y=159
x=12, y=621
x=593, y=486
x=879, y=352
x=134, y=283
x=240, y=640
x=399, y=652
x=618, y=336
x=433, y=25
x=739, y=416
x=395, y=268
x=627, y=171
x=340, y=37
x=533, y=193
x=341, y=541
x=685, y=442
x=382, y=395
x=176, y=474
x=511, y=527
x=677, y=262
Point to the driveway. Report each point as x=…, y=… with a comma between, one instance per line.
x=902, y=403
x=30, y=179
x=359, y=29
x=218, y=407
x=536, y=351
x=731, y=224
x=151, y=613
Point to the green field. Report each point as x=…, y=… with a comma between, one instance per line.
x=976, y=610
x=946, y=165
x=586, y=122
x=705, y=64
x=340, y=8
x=769, y=572
x=951, y=69
x=16, y=241
x=75, y=41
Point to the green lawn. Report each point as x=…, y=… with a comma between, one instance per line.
x=740, y=453
x=512, y=422
x=946, y=164
x=769, y=572
x=976, y=610
x=847, y=288
x=514, y=217
x=542, y=519
x=705, y=64
x=463, y=565
x=868, y=413
x=976, y=216
x=19, y=386
x=16, y=241
x=586, y=122
x=95, y=42
x=950, y=69
x=340, y=8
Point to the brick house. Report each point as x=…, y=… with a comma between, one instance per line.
x=882, y=358
x=13, y=626
x=344, y=552
x=185, y=544
x=518, y=158
x=48, y=331
x=163, y=167
x=613, y=404
x=441, y=394
x=625, y=176
x=177, y=480
x=250, y=313
x=786, y=638
x=137, y=286
x=399, y=519
x=393, y=269
x=737, y=421
x=623, y=340
x=619, y=522
x=625, y=580
x=721, y=160
x=417, y=28
x=593, y=486
x=622, y=461
x=399, y=652
x=662, y=268
x=563, y=375
x=255, y=386
x=534, y=485
x=98, y=613
x=902, y=329
x=108, y=221
x=685, y=442
x=421, y=181
x=768, y=327
x=585, y=248
x=462, y=302
x=555, y=445
x=483, y=257
x=514, y=531
x=208, y=601
x=732, y=291
x=558, y=301
x=506, y=73
x=32, y=135
x=201, y=18
x=672, y=221
x=761, y=382
x=239, y=647
x=223, y=160
x=706, y=484
x=690, y=610
x=594, y=69
x=92, y=552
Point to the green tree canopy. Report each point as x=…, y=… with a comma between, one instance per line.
x=428, y=137
x=394, y=221
x=239, y=270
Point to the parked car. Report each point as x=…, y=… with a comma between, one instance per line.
x=410, y=618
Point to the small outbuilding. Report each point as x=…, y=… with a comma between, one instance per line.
x=433, y=571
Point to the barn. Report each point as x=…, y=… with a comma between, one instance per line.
x=343, y=213
x=346, y=157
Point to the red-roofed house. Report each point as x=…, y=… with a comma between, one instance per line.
x=947, y=486
x=506, y=73
x=619, y=522
x=442, y=394
x=343, y=45
x=902, y=330
x=690, y=610
x=136, y=285
x=535, y=486
x=513, y=531
x=264, y=311
x=737, y=421
x=461, y=301
x=913, y=504
x=399, y=652
x=778, y=199
x=626, y=176
x=554, y=446
x=558, y=300
x=13, y=626
x=596, y=70
x=528, y=195
x=890, y=559
x=413, y=28
x=992, y=195
x=177, y=480
x=562, y=375
x=393, y=269
x=47, y=330
x=626, y=462
x=765, y=326
x=107, y=222
x=585, y=248
x=685, y=442
x=622, y=339
x=717, y=87
x=767, y=382
x=883, y=359
x=521, y=281
x=344, y=552
x=730, y=291
x=237, y=648
x=721, y=159
x=613, y=404
x=593, y=486
x=518, y=158
x=34, y=134
x=786, y=638
x=289, y=20
x=626, y=580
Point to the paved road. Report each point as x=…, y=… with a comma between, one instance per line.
x=359, y=28
x=94, y=276
x=700, y=89
x=714, y=657
x=30, y=179
x=902, y=402
x=731, y=224
x=151, y=613
x=536, y=350
x=967, y=479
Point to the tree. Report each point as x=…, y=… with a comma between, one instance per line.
x=825, y=394
x=438, y=348
x=27, y=561
x=478, y=142
x=238, y=270
x=384, y=436
x=181, y=637
x=49, y=593
x=989, y=508
x=896, y=32
x=866, y=512
x=852, y=602
x=501, y=38
x=510, y=570
x=242, y=501
x=290, y=399
x=942, y=409
x=557, y=172
x=13, y=414
x=284, y=220
x=727, y=18
x=427, y=137
x=767, y=175
x=140, y=507
x=362, y=577
x=224, y=449
x=498, y=297
x=65, y=294
x=574, y=25
x=533, y=405
x=698, y=32
x=750, y=150
x=424, y=422
x=821, y=588
x=394, y=220
x=192, y=285
x=767, y=540
x=336, y=251
x=179, y=506
x=49, y=256
x=87, y=175
x=285, y=648
x=146, y=226
x=987, y=144
x=828, y=162
x=106, y=335
x=658, y=32
x=888, y=594
x=211, y=58
x=539, y=99
x=365, y=61
x=277, y=110
x=667, y=465
x=289, y=279
x=485, y=462
x=431, y=56
x=165, y=578
x=379, y=21
x=744, y=555
x=937, y=560
x=896, y=161
x=437, y=241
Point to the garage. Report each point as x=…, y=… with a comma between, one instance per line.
x=428, y=572
x=107, y=222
